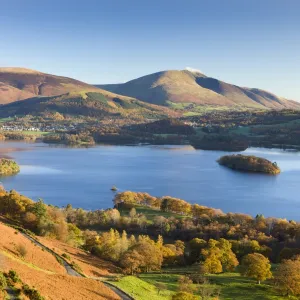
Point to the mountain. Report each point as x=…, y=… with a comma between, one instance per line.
x=191, y=88
x=19, y=83
x=45, y=93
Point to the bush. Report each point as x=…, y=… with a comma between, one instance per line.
x=66, y=256
x=3, y=283
x=12, y=276
x=32, y=293
x=184, y=296
x=76, y=267
x=60, y=261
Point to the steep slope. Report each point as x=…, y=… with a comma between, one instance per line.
x=41, y=270
x=186, y=86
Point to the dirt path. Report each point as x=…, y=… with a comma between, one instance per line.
x=67, y=266
x=72, y=272
x=120, y=293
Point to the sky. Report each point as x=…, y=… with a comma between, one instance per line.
x=254, y=43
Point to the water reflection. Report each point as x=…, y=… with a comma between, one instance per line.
x=37, y=170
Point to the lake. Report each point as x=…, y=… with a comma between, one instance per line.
x=84, y=176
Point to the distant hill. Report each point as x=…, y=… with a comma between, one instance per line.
x=190, y=87
x=19, y=83
x=86, y=104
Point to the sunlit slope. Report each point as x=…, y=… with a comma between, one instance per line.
x=185, y=86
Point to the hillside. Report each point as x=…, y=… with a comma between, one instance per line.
x=18, y=84
x=9, y=94
x=189, y=89
x=86, y=104
x=40, y=269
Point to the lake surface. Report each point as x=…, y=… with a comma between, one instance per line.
x=84, y=176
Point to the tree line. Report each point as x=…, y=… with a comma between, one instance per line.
x=247, y=242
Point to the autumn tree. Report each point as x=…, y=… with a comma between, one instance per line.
x=194, y=248
x=132, y=213
x=109, y=245
x=185, y=284
x=184, y=296
x=218, y=257
x=287, y=277
x=131, y=261
x=256, y=266
x=228, y=258
x=152, y=255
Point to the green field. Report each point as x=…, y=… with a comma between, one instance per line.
x=150, y=213
x=232, y=285
x=6, y=119
x=28, y=132
x=140, y=289
x=38, y=133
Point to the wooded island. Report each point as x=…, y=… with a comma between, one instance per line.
x=249, y=164
x=8, y=167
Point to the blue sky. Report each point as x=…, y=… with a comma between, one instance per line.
x=253, y=43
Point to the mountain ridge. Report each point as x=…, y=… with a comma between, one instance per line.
x=30, y=83
x=187, y=86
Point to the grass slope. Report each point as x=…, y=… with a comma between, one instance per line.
x=150, y=213
x=232, y=285
x=41, y=270
x=140, y=289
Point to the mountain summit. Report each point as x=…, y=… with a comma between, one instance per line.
x=191, y=86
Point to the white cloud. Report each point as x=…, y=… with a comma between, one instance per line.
x=193, y=70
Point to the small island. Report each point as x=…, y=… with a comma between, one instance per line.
x=8, y=167
x=249, y=164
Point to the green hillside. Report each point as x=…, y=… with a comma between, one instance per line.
x=85, y=104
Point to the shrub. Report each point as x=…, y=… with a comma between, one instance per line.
x=66, y=256
x=60, y=261
x=184, y=296
x=3, y=283
x=76, y=267
x=32, y=293
x=12, y=276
